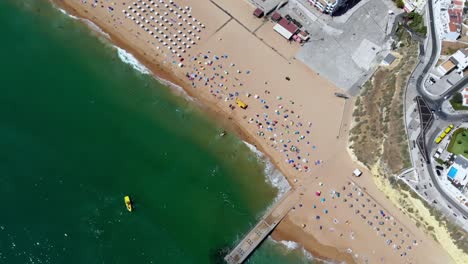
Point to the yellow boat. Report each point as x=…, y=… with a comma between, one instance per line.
x=128, y=203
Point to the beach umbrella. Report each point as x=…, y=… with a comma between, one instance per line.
x=317, y=193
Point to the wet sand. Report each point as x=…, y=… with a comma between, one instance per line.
x=292, y=116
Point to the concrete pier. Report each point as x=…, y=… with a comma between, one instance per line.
x=264, y=227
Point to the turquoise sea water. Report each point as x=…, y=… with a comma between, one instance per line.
x=79, y=129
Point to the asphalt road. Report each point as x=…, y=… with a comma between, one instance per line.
x=435, y=102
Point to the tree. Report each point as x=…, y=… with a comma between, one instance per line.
x=458, y=98
x=400, y=4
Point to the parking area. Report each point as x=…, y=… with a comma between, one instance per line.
x=345, y=49
x=437, y=86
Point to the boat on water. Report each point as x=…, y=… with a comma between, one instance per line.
x=128, y=203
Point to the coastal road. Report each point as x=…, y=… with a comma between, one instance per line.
x=435, y=102
x=461, y=208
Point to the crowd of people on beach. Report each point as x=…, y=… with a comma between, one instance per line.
x=287, y=133
x=275, y=119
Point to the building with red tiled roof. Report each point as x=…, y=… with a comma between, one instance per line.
x=455, y=15
x=258, y=13
x=276, y=16
x=286, y=28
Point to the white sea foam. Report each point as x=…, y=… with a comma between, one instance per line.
x=95, y=28
x=176, y=88
x=274, y=176
x=89, y=23
x=65, y=12
x=129, y=59
x=291, y=245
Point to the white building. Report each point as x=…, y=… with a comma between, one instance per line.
x=458, y=60
x=464, y=94
x=414, y=5
x=327, y=6
x=458, y=172
x=451, y=19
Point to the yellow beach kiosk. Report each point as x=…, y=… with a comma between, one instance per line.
x=241, y=104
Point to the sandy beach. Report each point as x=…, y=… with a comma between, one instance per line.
x=212, y=51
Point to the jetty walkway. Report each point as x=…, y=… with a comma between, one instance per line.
x=264, y=227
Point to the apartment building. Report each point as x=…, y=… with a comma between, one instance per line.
x=327, y=6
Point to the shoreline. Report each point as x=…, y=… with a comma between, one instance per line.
x=231, y=121
x=173, y=83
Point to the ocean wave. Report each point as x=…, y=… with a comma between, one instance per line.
x=95, y=27
x=65, y=12
x=129, y=59
x=291, y=245
x=88, y=22
x=181, y=91
x=273, y=175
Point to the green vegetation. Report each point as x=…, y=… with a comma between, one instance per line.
x=399, y=3
x=459, y=142
x=378, y=135
x=440, y=161
x=416, y=23
x=457, y=102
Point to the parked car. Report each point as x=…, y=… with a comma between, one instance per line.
x=439, y=167
x=438, y=173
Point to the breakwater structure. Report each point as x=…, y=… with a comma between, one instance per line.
x=263, y=228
